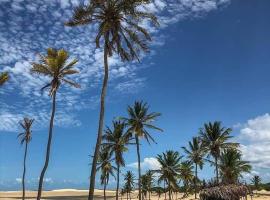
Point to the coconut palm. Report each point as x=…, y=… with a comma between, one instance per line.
x=116, y=141
x=129, y=178
x=106, y=168
x=54, y=65
x=120, y=31
x=215, y=139
x=149, y=183
x=169, y=169
x=25, y=137
x=3, y=78
x=195, y=153
x=139, y=120
x=232, y=166
x=186, y=175
x=256, y=180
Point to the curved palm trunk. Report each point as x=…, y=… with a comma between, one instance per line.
x=24, y=169
x=196, y=178
x=100, y=125
x=139, y=165
x=48, y=149
x=216, y=164
x=117, y=186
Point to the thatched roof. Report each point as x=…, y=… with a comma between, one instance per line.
x=228, y=192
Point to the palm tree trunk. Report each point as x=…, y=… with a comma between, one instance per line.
x=48, y=148
x=165, y=189
x=216, y=164
x=117, y=184
x=196, y=177
x=104, y=191
x=24, y=169
x=170, y=197
x=100, y=125
x=139, y=165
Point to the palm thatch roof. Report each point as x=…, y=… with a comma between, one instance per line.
x=225, y=192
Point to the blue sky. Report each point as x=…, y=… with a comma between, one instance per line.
x=209, y=61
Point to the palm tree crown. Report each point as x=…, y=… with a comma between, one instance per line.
x=118, y=24
x=115, y=140
x=55, y=66
x=26, y=136
x=215, y=139
x=3, y=77
x=105, y=165
x=232, y=166
x=195, y=152
x=139, y=120
x=169, y=167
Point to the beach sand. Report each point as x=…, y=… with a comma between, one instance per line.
x=71, y=194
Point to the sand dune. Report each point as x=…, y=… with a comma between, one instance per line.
x=73, y=194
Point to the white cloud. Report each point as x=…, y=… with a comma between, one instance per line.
x=20, y=42
x=147, y=163
x=255, y=136
x=18, y=180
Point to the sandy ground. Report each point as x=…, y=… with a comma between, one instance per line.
x=71, y=194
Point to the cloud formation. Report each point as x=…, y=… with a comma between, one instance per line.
x=150, y=163
x=30, y=27
x=255, y=135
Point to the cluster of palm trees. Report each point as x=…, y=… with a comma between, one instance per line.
x=119, y=31
x=116, y=140
x=176, y=172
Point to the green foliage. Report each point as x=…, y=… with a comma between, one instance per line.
x=232, y=166
x=118, y=27
x=139, y=120
x=26, y=124
x=3, y=78
x=105, y=166
x=55, y=66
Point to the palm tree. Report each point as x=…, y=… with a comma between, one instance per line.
x=53, y=65
x=256, y=180
x=232, y=166
x=25, y=137
x=3, y=77
x=195, y=154
x=119, y=29
x=116, y=141
x=106, y=168
x=169, y=169
x=186, y=174
x=214, y=138
x=149, y=177
x=138, y=121
x=129, y=182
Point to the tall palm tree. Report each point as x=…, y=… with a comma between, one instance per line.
x=195, y=154
x=54, y=65
x=186, y=174
x=3, y=77
x=256, y=180
x=25, y=137
x=215, y=139
x=129, y=178
x=138, y=121
x=116, y=141
x=232, y=166
x=169, y=169
x=106, y=168
x=119, y=29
